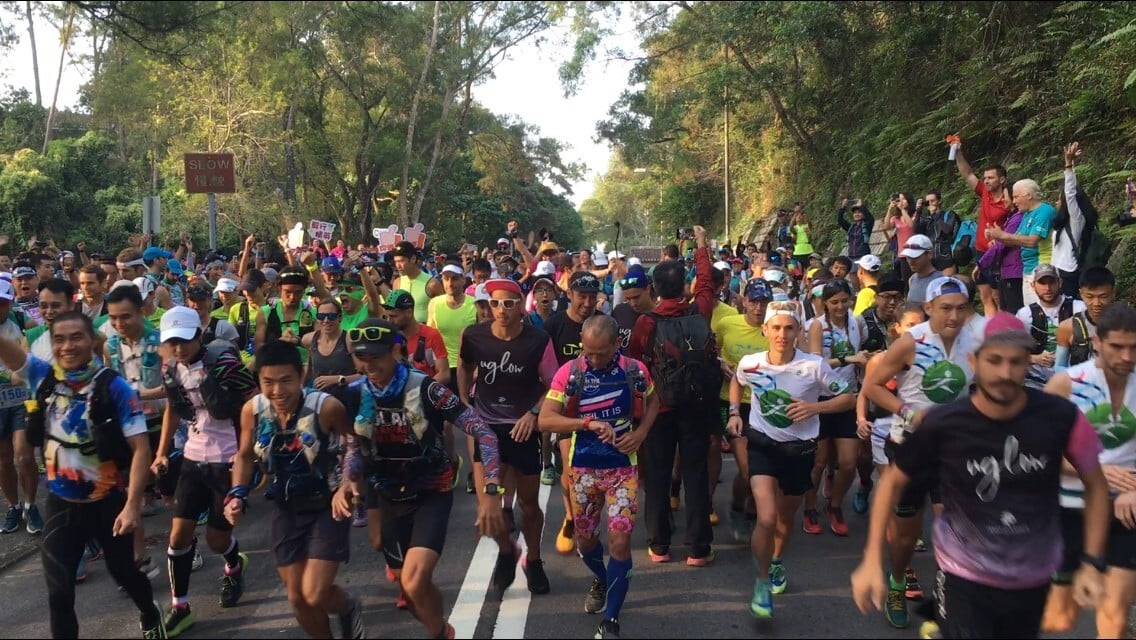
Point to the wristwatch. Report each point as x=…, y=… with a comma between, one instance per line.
x=1096, y=562
x=342, y=380
x=493, y=489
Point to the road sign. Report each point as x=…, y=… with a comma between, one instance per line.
x=209, y=173
x=152, y=215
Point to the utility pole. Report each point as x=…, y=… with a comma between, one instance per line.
x=726, y=155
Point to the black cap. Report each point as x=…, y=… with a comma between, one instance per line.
x=584, y=282
x=380, y=345
x=405, y=249
x=254, y=280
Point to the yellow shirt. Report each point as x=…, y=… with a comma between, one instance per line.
x=736, y=339
x=720, y=313
x=451, y=322
x=865, y=300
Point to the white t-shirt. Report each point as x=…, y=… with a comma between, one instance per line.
x=1089, y=391
x=1039, y=375
x=773, y=387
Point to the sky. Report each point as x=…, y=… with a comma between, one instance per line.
x=526, y=85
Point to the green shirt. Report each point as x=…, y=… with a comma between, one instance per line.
x=451, y=322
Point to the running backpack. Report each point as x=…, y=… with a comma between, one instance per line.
x=1081, y=346
x=106, y=441
x=1093, y=248
x=968, y=228
x=222, y=402
x=1039, y=323
x=682, y=358
x=633, y=378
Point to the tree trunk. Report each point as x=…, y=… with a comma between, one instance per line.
x=290, y=159
x=35, y=54
x=65, y=41
x=403, y=194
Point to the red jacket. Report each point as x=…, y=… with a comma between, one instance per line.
x=675, y=307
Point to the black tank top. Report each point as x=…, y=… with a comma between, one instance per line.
x=339, y=363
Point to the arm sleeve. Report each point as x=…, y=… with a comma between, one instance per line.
x=128, y=407
x=1061, y=358
x=1084, y=446
x=704, y=291
x=235, y=374
x=445, y=404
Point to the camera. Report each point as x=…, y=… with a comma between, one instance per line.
x=685, y=233
x=894, y=197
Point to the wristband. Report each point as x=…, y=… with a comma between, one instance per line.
x=1096, y=562
x=587, y=421
x=842, y=361
x=734, y=409
x=907, y=413
x=312, y=268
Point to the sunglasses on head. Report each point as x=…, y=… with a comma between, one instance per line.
x=508, y=304
x=370, y=334
x=327, y=317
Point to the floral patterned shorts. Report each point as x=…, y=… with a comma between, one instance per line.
x=617, y=488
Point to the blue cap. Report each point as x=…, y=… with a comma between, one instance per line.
x=332, y=265
x=775, y=258
x=153, y=253
x=175, y=267
x=757, y=289
x=634, y=280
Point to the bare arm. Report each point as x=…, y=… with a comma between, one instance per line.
x=899, y=355
x=964, y=168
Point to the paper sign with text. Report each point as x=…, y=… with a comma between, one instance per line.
x=320, y=230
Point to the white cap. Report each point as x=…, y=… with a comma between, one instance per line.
x=454, y=269
x=122, y=283
x=615, y=255
x=226, y=285
x=182, y=323
x=145, y=286
x=722, y=265
x=600, y=260
x=6, y=292
x=634, y=262
x=916, y=246
x=480, y=294
x=502, y=241
x=944, y=286
x=544, y=268
x=775, y=275
x=869, y=262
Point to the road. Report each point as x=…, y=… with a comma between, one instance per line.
x=668, y=600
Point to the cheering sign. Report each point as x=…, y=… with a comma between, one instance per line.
x=320, y=230
x=390, y=236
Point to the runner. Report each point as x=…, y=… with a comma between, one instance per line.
x=451, y=314
x=55, y=296
x=26, y=284
x=408, y=262
x=1043, y=317
x=309, y=532
x=200, y=298
x=422, y=346
x=17, y=456
x=932, y=367
x=999, y=538
x=606, y=403
x=636, y=300
x=513, y=364
x=202, y=395
x=1075, y=335
x=1104, y=389
x=399, y=449
x=89, y=496
x=92, y=287
x=782, y=427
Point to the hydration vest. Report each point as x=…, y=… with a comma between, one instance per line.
x=299, y=454
x=151, y=361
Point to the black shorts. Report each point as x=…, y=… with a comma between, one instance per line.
x=971, y=610
x=1121, y=544
x=914, y=496
x=793, y=473
x=841, y=425
x=420, y=522
x=167, y=482
x=313, y=535
x=985, y=276
x=202, y=487
x=12, y=419
x=522, y=456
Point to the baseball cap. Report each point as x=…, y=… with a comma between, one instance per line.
x=331, y=264
x=175, y=267
x=6, y=291
x=634, y=262
x=373, y=337
x=635, y=280
x=226, y=285
x=544, y=268
x=502, y=241
x=722, y=265
x=153, y=253
x=1044, y=270
x=600, y=260
x=23, y=272
x=181, y=323
x=615, y=255
x=869, y=262
x=145, y=286
x=775, y=275
x=546, y=247
x=480, y=293
x=399, y=299
x=916, y=246
x=454, y=269
x=584, y=282
x=405, y=249
x=253, y=280
x=502, y=284
x=1006, y=328
x=758, y=290
x=890, y=285
x=944, y=286
x=775, y=259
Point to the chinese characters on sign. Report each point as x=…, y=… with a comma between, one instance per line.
x=320, y=230
x=209, y=173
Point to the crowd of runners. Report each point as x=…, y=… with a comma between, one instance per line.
x=985, y=370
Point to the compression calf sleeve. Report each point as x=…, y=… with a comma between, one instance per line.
x=180, y=563
x=618, y=581
x=594, y=560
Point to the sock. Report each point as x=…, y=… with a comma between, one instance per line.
x=594, y=561
x=180, y=563
x=897, y=586
x=232, y=557
x=28, y=505
x=773, y=561
x=618, y=580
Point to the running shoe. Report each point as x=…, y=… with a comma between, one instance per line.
x=607, y=629
x=566, y=539
x=913, y=590
x=738, y=526
x=836, y=521
x=596, y=600
x=860, y=501
x=233, y=585
x=198, y=561
x=700, y=561
x=761, y=603
x=778, y=577
x=662, y=556
x=34, y=520
x=178, y=619
x=391, y=577
x=505, y=571
x=920, y=546
x=13, y=520
x=929, y=630
x=402, y=603
x=548, y=476
x=537, y=578
x=713, y=517
x=351, y=621
x=896, y=608
x=158, y=630
x=360, y=519
x=811, y=523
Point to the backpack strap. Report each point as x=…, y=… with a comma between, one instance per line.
x=1066, y=310
x=420, y=349
x=99, y=400
x=1039, y=326
x=1080, y=331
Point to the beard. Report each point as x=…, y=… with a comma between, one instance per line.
x=1002, y=393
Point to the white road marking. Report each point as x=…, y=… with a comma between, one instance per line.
x=467, y=608
x=514, y=611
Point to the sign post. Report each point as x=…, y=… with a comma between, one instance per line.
x=210, y=173
x=151, y=215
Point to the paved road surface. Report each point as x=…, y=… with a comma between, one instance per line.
x=669, y=600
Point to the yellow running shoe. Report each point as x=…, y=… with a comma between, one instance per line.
x=929, y=629
x=566, y=539
x=713, y=518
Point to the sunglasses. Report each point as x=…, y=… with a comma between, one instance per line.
x=508, y=304
x=327, y=317
x=370, y=334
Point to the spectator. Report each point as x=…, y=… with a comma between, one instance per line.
x=1006, y=261
x=1033, y=234
x=859, y=230
x=994, y=208
x=941, y=226
x=1068, y=225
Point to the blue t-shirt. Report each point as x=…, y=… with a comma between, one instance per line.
x=1038, y=222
